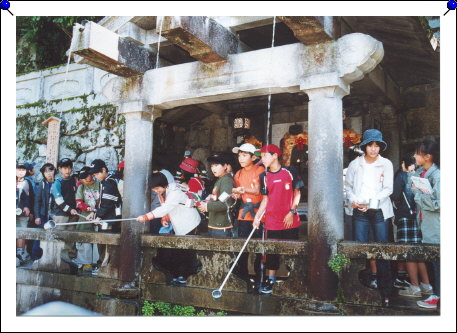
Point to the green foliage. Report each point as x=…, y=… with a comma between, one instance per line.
x=147, y=309
x=30, y=132
x=166, y=309
x=338, y=262
x=43, y=40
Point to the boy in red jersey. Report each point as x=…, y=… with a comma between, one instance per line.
x=280, y=187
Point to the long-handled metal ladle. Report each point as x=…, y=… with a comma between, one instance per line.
x=51, y=224
x=218, y=292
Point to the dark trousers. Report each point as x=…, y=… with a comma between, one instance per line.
x=179, y=262
x=244, y=230
x=155, y=226
x=37, y=251
x=273, y=259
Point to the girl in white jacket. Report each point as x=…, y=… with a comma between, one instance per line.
x=369, y=178
x=184, y=219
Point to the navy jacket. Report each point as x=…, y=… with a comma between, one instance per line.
x=110, y=198
x=401, y=186
x=43, y=200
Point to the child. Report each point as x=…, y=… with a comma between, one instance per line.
x=370, y=178
x=63, y=191
x=280, y=187
x=184, y=219
x=110, y=202
x=22, y=210
x=248, y=189
x=428, y=203
x=189, y=168
x=219, y=223
x=42, y=203
x=408, y=231
x=87, y=196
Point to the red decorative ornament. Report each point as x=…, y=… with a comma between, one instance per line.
x=300, y=142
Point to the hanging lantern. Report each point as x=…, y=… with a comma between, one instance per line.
x=242, y=123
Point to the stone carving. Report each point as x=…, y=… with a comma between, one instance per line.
x=23, y=96
x=62, y=89
x=358, y=54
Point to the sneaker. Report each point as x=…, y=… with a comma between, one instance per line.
x=94, y=271
x=21, y=259
x=429, y=303
x=74, y=262
x=373, y=284
x=401, y=284
x=26, y=257
x=267, y=287
x=179, y=281
x=411, y=291
x=426, y=289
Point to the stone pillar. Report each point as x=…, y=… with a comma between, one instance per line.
x=138, y=156
x=325, y=187
x=52, y=146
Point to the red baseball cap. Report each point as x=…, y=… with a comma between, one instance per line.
x=272, y=149
x=189, y=165
x=121, y=165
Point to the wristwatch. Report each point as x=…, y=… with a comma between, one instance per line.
x=294, y=211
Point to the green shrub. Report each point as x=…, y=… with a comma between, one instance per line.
x=338, y=262
x=166, y=309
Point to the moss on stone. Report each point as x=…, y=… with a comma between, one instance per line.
x=30, y=131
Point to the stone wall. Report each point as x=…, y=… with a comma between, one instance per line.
x=420, y=117
x=90, y=128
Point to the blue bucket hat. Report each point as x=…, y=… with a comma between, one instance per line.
x=371, y=135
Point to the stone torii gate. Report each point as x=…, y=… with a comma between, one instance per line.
x=323, y=70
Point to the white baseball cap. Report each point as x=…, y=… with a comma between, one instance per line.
x=247, y=147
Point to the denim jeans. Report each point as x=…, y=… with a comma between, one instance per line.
x=219, y=232
x=363, y=221
x=374, y=219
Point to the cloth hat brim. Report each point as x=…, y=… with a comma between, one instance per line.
x=246, y=147
x=368, y=141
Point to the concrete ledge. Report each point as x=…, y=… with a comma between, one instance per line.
x=238, y=302
x=390, y=251
x=68, y=236
x=80, y=283
x=224, y=244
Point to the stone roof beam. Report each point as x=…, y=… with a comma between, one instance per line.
x=205, y=39
x=106, y=50
x=310, y=29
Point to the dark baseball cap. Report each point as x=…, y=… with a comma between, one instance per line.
x=218, y=159
x=29, y=165
x=84, y=172
x=97, y=166
x=21, y=165
x=65, y=162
